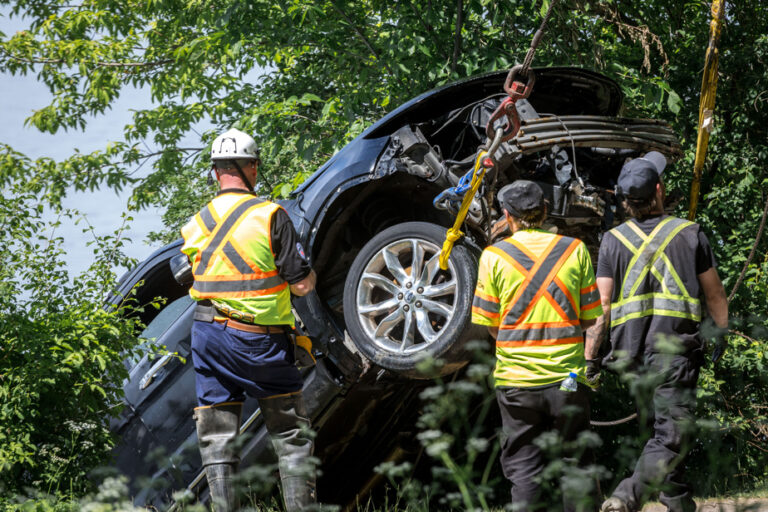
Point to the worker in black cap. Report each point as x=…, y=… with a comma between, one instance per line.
x=651, y=273
x=536, y=293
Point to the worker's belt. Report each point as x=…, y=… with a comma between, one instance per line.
x=241, y=326
x=205, y=311
x=235, y=314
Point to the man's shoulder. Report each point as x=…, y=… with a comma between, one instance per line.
x=505, y=245
x=570, y=239
x=680, y=221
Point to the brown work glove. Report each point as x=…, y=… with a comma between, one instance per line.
x=303, y=352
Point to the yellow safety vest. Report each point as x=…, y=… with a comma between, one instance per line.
x=537, y=303
x=648, y=257
x=540, y=283
x=229, y=245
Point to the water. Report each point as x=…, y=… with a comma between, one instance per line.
x=570, y=384
x=19, y=97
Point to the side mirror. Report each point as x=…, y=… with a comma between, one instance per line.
x=181, y=269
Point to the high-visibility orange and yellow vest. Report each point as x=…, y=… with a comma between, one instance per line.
x=229, y=245
x=536, y=287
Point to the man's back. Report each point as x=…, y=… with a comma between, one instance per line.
x=654, y=264
x=536, y=287
x=231, y=245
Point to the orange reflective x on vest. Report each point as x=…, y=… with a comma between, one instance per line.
x=229, y=245
x=536, y=287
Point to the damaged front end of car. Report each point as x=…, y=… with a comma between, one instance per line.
x=575, y=158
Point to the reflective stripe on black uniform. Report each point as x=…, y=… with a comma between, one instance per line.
x=648, y=256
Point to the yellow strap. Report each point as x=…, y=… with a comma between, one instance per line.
x=455, y=233
x=706, y=102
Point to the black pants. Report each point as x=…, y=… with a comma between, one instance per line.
x=525, y=415
x=666, y=406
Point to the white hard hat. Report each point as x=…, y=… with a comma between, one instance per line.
x=234, y=144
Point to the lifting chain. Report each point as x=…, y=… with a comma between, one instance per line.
x=516, y=90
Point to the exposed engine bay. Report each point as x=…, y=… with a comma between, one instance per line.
x=574, y=158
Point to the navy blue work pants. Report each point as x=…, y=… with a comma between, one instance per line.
x=230, y=363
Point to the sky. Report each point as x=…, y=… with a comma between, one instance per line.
x=19, y=97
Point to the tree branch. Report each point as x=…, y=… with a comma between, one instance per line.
x=457, y=34
x=145, y=157
x=638, y=33
x=429, y=30
x=751, y=253
x=363, y=38
x=103, y=64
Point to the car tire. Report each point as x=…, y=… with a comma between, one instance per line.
x=395, y=284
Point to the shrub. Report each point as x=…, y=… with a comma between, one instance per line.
x=61, y=366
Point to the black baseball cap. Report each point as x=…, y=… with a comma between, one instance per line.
x=639, y=176
x=521, y=198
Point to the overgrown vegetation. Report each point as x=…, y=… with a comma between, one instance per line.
x=330, y=69
x=61, y=366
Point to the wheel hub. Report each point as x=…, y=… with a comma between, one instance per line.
x=404, y=299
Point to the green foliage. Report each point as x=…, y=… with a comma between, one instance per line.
x=111, y=496
x=328, y=70
x=454, y=434
x=460, y=433
x=61, y=366
x=732, y=400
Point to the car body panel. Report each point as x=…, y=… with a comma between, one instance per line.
x=354, y=404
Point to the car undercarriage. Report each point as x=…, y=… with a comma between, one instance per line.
x=372, y=221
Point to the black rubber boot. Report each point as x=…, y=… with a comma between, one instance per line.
x=288, y=426
x=217, y=429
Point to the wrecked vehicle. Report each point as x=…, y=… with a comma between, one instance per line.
x=373, y=220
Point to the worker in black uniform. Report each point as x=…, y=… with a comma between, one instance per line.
x=651, y=273
x=247, y=262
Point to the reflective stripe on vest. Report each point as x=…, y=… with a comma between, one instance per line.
x=540, y=282
x=648, y=257
x=243, y=279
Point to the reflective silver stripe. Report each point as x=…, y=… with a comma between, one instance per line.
x=237, y=285
x=485, y=305
x=222, y=231
x=653, y=304
x=542, y=333
x=516, y=254
x=525, y=295
x=237, y=260
x=207, y=217
x=629, y=234
x=561, y=299
x=589, y=298
x=660, y=266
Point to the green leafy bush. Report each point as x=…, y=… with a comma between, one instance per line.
x=331, y=69
x=62, y=352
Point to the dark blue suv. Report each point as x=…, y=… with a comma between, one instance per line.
x=373, y=220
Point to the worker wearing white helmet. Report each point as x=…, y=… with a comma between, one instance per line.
x=235, y=150
x=246, y=262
